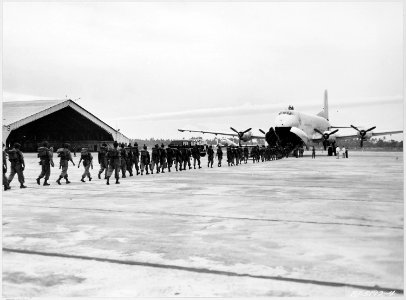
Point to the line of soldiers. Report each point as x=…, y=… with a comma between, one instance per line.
x=123, y=158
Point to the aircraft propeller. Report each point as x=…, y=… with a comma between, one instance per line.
x=362, y=133
x=326, y=136
x=240, y=134
x=262, y=131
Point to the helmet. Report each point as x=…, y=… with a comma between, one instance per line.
x=115, y=144
x=135, y=144
x=162, y=145
x=17, y=145
x=145, y=147
x=104, y=145
x=45, y=144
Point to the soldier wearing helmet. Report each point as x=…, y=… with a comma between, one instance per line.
x=114, y=163
x=65, y=156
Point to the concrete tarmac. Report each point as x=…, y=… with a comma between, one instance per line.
x=292, y=227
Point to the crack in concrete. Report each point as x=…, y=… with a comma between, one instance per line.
x=206, y=271
x=209, y=216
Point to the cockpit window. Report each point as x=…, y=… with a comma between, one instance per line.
x=285, y=113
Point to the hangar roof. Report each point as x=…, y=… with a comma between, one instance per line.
x=19, y=113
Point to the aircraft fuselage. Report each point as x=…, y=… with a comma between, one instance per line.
x=296, y=127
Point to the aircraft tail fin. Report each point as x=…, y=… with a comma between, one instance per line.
x=324, y=112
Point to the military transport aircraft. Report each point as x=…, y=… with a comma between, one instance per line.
x=294, y=129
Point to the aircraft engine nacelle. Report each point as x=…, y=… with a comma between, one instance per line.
x=363, y=134
x=246, y=136
x=329, y=136
x=366, y=136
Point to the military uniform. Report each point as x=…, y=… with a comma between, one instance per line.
x=169, y=158
x=87, y=158
x=145, y=160
x=114, y=163
x=65, y=157
x=123, y=160
x=196, y=156
x=102, y=158
x=229, y=156
x=219, y=155
x=5, y=180
x=210, y=156
x=155, y=159
x=17, y=165
x=45, y=156
x=136, y=158
x=130, y=160
x=162, y=158
x=246, y=154
x=178, y=159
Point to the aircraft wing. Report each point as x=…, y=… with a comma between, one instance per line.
x=373, y=134
x=386, y=133
x=220, y=133
x=211, y=132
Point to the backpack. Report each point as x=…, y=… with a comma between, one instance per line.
x=84, y=154
x=43, y=153
x=62, y=153
x=13, y=155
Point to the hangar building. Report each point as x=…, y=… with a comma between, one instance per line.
x=56, y=121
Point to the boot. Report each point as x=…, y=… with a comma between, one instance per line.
x=117, y=182
x=82, y=179
x=46, y=182
x=67, y=181
x=169, y=169
x=142, y=173
x=98, y=175
x=59, y=180
x=22, y=186
x=90, y=178
x=39, y=181
x=108, y=181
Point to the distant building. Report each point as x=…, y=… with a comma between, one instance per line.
x=57, y=121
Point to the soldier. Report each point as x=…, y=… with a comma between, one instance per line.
x=258, y=154
x=254, y=154
x=162, y=158
x=229, y=155
x=145, y=160
x=130, y=159
x=65, y=157
x=245, y=154
x=169, y=157
x=155, y=159
x=17, y=165
x=5, y=180
x=102, y=158
x=262, y=153
x=87, y=158
x=236, y=156
x=219, y=155
x=210, y=156
x=240, y=154
x=196, y=156
x=136, y=157
x=123, y=160
x=178, y=159
x=186, y=158
x=114, y=163
x=45, y=156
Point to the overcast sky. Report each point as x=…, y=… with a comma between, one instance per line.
x=151, y=68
